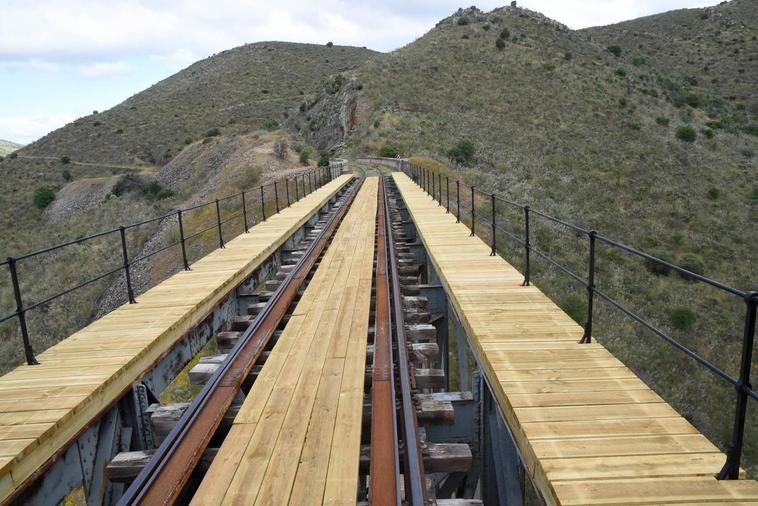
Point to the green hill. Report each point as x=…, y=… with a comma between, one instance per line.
x=563, y=123
x=8, y=147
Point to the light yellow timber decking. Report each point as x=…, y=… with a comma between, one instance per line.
x=296, y=439
x=43, y=406
x=589, y=430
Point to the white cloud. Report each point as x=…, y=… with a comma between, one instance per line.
x=89, y=69
x=25, y=129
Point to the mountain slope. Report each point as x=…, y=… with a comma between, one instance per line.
x=562, y=123
x=8, y=147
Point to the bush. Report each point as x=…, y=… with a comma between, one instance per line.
x=657, y=268
x=500, y=44
x=271, y=124
x=305, y=154
x=637, y=61
x=682, y=318
x=621, y=72
x=126, y=184
x=576, y=307
x=280, y=148
x=708, y=133
x=548, y=66
x=463, y=21
x=567, y=56
x=752, y=129
x=686, y=133
x=463, y=152
x=213, y=132
x=43, y=196
x=66, y=175
x=329, y=44
x=661, y=120
x=615, y=50
x=13, y=156
x=693, y=263
x=714, y=193
x=323, y=159
x=65, y=159
x=389, y=151
x=486, y=27
x=505, y=34
x=692, y=100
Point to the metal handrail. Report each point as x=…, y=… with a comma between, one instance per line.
x=322, y=176
x=425, y=177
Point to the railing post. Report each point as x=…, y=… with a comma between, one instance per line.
x=458, y=200
x=494, y=234
x=587, y=337
x=297, y=191
x=731, y=469
x=244, y=213
x=439, y=189
x=447, y=188
x=218, y=224
x=263, y=203
x=21, y=313
x=310, y=187
x=181, y=238
x=527, y=246
x=276, y=197
x=473, y=215
x=287, y=185
x=125, y=254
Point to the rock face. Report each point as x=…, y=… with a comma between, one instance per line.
x=78, y=196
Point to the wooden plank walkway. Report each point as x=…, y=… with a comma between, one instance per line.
x=589, y=430
x=296, y=439
x=42, y=407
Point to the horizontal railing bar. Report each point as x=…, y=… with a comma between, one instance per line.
x=69, y=243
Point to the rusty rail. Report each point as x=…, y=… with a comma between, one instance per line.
x=162, y=480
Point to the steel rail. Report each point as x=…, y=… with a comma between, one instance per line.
x=384, y=467
x=164, y=477
x=415, y=489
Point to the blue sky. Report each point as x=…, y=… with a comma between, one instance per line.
x=61, y=59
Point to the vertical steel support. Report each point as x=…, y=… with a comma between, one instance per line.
x=218, y=225
x=128, y=275
x=310, y=187
x=182, y=241
x=297, y=191
x=287, y=185
x=263, y=203
x=587, y=337
x=21, y=313
x=432, y=194
x=447, y=187
x=527, y=246
x=473, y=215
x=439, y=188
x=494, y=224
x=276, y=197
x=244, y=213
x=458, y=201
x=731, y=469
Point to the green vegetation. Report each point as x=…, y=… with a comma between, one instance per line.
x=693, y=263
x=686, y=133
x=43, y=196
x=662, y=120
x=65, y=159
x=462, y=152
x=500, y=43
x=304, y=155
x=271, y=124
x=389, y=151
x=213, y=132
x=682, y=318
x=323, y=159
x=576, y=307
x=615, y=50
x=714, y=193
x=658, y=268
x=463, y=21
x=7, y=147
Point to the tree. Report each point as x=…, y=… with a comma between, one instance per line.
x=462, y=152
x=280, y=148
x=305, y=154
x=389, y=151
x=42, y=196
x=323, y=159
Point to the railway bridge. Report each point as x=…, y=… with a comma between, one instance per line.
x=359, y=342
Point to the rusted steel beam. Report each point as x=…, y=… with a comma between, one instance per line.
x=384, y=466
x=166, y=474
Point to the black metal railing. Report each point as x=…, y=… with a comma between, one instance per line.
x=315, y=179
x=425, y=178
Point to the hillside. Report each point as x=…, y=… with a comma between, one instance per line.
x=561, y=122
x=7, y=147
x=207, y=131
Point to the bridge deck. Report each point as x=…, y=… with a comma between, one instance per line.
x=42, y=407
x=296, y=438
x=589, y=430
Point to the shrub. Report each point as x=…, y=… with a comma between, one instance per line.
x=752, y=129
x=621, y=72
x=389, y=151
x=661, y=120
x=754, y=194
x=323, y=159
x=213, y=132
x=65, y=159
x=692, y=100
x=657, y=268
x=66, y=175
x=496, y=20
x=576, y=307
x=500, y=44
x=682, y=318
x=271, y=124
x=42, y=196
x=714, y=193
x=623, y=102
x=2, y=158
x=548, y=66
x=280, y=148
x=126, y=184
x=615, y=50
x=164, y=194
x=686, y=133
x=486, y=27
x=567, y=56
x=693, y=263
x=119, y=131
x=462, y=152
x=463, y=21
x=637, y=61
x=13, y=156
x=329, y=44
x=188, y=141
x=305, y=154
x=708, y=133
x=505, y=34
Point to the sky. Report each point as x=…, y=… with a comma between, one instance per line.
x=62, y=59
